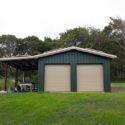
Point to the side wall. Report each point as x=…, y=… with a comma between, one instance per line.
x=73, y=58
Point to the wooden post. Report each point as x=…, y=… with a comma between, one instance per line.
x=16, y=77
x=6, y=73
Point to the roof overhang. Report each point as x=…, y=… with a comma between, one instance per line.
x=29, y=64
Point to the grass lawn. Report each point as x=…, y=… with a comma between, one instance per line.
x=62, y=109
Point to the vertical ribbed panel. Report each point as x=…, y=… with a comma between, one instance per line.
x=40, y=76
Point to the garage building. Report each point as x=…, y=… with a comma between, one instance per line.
x=68, y=69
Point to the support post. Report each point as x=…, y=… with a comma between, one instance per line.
x=23, y=76
x=16, y=77
x=6, y=73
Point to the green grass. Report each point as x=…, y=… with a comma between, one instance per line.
x=62, y=109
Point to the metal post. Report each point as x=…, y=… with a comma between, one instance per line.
x=23, y=76
x=6, y=73
x=16, y=77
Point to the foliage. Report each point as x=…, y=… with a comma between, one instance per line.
x=8, y=45
x=115, y=31
x=10, y=82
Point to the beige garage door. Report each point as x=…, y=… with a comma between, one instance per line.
x=57, y=78
x=90, y=78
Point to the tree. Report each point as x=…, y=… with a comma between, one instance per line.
x=83, y=37
x=28, y=46
x=115, y=32
x=75, y=37
x=8, y=44
x=47, y=39
x=117, y=26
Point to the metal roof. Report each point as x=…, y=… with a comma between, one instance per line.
x=48, y=53
x=31, y=62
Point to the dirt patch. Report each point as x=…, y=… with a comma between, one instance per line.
x=118, y=89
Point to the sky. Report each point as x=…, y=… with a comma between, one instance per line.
x=48, y=18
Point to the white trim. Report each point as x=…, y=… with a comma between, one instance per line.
x=48, y=53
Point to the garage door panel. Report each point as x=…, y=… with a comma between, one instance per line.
x=90, y=78
x=57, y=78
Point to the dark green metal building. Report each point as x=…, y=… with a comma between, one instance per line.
x=74, y=58
x=69, y=69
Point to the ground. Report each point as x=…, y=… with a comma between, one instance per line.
x=62, y=109
x=118, y=87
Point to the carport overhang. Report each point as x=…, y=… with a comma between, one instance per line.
x=23, y=64
x=19, y=63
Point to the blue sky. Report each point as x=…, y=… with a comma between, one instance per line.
x=50, y=17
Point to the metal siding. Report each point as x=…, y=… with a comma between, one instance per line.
x=73, y=77
x=41, y=76
x=107, y=83
x=74, y=58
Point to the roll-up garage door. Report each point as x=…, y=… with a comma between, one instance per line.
x=90, y=78
x=57, y=78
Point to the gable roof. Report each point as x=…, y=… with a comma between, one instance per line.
x=61, y=50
